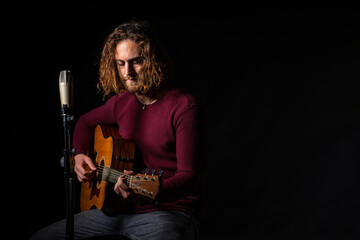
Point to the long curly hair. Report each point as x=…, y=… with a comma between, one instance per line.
x=157, y=65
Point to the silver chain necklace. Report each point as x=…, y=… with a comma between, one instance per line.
x=148, y=103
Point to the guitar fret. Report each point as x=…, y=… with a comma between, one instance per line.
x=111, y=175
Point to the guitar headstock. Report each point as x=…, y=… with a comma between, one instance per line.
x=145, y=185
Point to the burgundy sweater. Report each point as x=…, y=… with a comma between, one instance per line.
x=169, y=136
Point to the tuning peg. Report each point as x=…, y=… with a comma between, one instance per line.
x=146, y=171
x=153, y=172
x=161, y=172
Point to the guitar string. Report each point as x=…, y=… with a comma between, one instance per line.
x=105, y=169
x=102, y=169
x=112, y=173
x=115, y=173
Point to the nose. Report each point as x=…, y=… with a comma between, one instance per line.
x=129, y=70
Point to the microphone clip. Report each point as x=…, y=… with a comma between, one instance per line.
x=66, y=114
x=65, y=110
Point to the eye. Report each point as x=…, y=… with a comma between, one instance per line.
x=137, y=61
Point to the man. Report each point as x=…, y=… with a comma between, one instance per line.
x=165, y=123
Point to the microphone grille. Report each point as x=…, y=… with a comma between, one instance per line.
x=65, y=76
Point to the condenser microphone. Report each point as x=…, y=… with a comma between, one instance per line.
x=66, y=88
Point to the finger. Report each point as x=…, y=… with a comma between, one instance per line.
x=117, y=185
x=79, y=168
x=119, y=191
x=129, y=172
x=88, y=176
x=121, y=188
x=121, y=182
x=125, y=195
x=79, y=178
x=89, y=163
x=83, y=175
x=82, y=172
x=81, y=164
x=82, y=178
x=124, y=187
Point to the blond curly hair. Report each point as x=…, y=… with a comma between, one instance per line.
x=157, y=65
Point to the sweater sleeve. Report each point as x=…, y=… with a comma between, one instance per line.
x=84, y=128
x=189, y=152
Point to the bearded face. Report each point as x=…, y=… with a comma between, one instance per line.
x=129, y=63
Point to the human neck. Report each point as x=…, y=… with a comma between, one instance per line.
x=151, y=96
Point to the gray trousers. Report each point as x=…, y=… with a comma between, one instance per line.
x=154, y=225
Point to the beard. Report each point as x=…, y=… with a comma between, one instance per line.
x=132, y=85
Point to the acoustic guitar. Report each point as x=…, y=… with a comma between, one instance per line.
x=112, y=155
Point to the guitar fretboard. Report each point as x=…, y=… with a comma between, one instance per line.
x=110, y=175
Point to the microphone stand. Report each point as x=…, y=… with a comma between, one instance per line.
x=68, y=173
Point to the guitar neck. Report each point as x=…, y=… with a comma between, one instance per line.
x=110, y=175
x=145, y=185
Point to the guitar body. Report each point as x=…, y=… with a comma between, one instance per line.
x=112, y=151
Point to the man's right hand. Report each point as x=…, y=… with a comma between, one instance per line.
x=84, y=167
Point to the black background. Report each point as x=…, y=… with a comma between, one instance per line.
x=280, y=87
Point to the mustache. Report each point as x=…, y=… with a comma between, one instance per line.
x=130, y=78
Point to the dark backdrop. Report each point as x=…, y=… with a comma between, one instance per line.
x=280, y=87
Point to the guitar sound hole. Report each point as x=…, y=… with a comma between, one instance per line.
x=96, y=182
x=99, y=172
